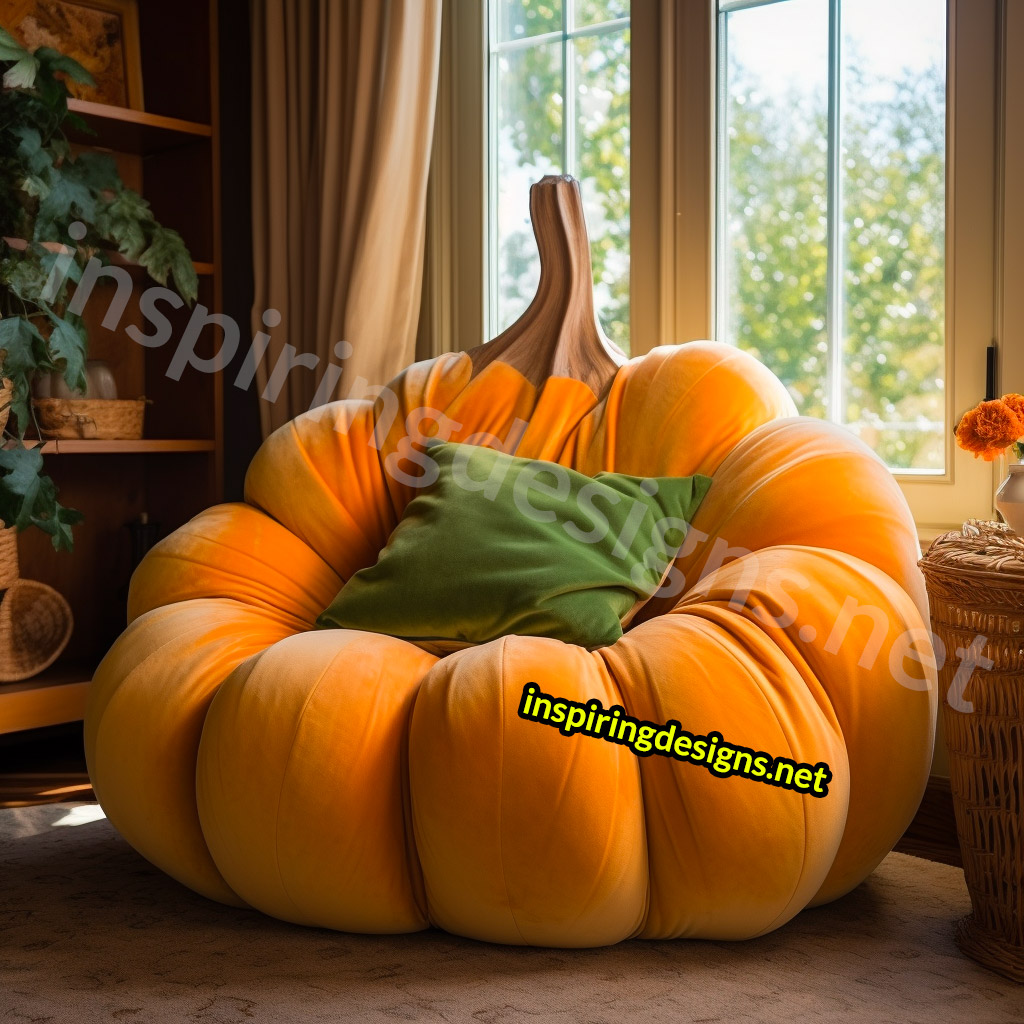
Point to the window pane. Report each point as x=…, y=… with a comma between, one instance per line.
x=593, y=12
x=773, y=237
x=532, y=132
x=601, y=73
x=893, y=159
x=526, y=145
x=517, y=19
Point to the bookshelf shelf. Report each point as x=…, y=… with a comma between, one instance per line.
x=134, y=131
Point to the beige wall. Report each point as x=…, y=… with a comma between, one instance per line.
x=1010, y=307
x=1009, y=294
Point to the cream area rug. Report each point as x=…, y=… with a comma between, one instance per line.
x=89, y=931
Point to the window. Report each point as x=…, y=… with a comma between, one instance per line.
x=848, y=147
x=559, y=98
x=831, y=211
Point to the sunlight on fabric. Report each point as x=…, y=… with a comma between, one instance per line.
x=81, y=815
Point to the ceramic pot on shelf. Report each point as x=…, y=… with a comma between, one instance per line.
x=1010, y=499
x=99, y=383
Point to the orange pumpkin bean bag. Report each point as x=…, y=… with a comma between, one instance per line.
x=353, y=781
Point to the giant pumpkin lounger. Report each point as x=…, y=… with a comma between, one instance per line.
x=352, y=780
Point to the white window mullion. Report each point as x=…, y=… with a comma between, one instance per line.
x=721, y=298
x=568, y=92
x=834, y=221
x=491, y=248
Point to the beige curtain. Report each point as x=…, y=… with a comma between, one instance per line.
x=343, y=112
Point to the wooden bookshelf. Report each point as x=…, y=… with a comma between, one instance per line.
x=53, y=697
x=134, y=131
x=114, y=258
x=170, y=153
x=143, y=446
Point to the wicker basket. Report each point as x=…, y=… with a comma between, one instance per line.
x=35, y=621
x=109, y=419
x=976, y=588
x=8, y=556
x=6, y=394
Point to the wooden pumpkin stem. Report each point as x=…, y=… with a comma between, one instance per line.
x=558, y=335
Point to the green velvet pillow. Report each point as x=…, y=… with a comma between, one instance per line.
x=497, y=545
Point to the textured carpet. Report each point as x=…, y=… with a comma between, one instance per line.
x=91, y=932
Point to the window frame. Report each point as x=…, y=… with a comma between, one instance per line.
x=674, y=51
x=564, y=36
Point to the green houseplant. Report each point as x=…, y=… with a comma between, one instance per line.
x=47, y=195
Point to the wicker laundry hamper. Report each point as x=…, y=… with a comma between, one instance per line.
x=35, y=621
x=975, y=582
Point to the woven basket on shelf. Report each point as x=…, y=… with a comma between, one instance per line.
x=109, y=419
x=6, y=394
x=975, y=582
x=35, y=621
x=8, y=556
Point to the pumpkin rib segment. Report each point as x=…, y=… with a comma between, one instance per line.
x=520, y=405
x=520, y=867
x=675, y=664
x=165, y=694
x=750, y=478
x=284, y=781
x=95, y=692
x=864, y=700
x=757, y=685
x=721, y=609
x=727, y=365
x=314, y=832
x=249, y=600
x=782, y=915
x=317, y=471
x=735, y=397
x=417, y=875
x=556, y=418
x=349, y=521
x=603, y=420
x=503, y=675
x=608, y=667
x=423, y=385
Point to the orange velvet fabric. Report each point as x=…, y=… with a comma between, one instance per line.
x=353, y=781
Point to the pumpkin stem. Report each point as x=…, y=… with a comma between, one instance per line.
x=558, y=335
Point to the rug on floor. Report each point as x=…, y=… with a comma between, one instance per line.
x=90, y=932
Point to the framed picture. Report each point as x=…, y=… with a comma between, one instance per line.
x=102, y=35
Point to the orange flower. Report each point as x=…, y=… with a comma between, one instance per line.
x=1016, y=403
x=989, y=429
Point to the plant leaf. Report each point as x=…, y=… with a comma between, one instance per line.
x=29, y=498
x=22, y=74
x=67, y=200
x=23, y=351
x=55, y=61
x=166, y=256
x=71, y=270
x=19, y=484
x=10, y=48
x=123, y=220
x=25, y=275
x=34, y=186
x=79, y=123
x=30, y=149
x=97, y=171
x=68, y=342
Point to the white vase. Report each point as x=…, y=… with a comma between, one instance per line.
x=1010, y=499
